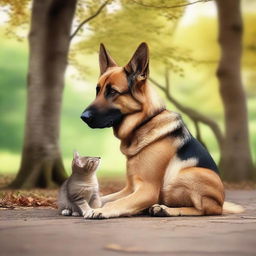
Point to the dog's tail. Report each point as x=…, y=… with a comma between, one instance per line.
x=229, y=207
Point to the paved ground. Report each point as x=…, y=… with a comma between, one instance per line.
x=42, y=232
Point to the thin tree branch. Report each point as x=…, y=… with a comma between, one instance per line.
x=193, y=114
x=198, y=133
x=196, y=122
x=171, y=6
x=88, y=19
x=167, y=80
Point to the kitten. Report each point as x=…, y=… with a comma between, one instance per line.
x=80, y=192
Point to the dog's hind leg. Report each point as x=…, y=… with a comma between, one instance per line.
x=164, y=211
x=207, y=206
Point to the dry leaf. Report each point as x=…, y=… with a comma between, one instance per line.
x=119, y=248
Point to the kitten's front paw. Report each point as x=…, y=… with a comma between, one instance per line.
x=75, y=214
x=66, y=212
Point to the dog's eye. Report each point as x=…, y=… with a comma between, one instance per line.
x=97, y=90
x=112, y=92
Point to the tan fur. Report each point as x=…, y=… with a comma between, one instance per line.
x=148, y=155
x=150, y=152
x=195, y=187
x=158, y=127
x=149, y=103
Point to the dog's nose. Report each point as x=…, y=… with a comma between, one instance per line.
x=86, y=116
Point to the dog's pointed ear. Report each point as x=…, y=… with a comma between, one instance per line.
x=105, y=60
x=139, y=63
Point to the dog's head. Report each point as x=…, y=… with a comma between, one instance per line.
x=118, y=92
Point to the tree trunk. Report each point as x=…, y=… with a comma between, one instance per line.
x=236, y=160
x=49, y=40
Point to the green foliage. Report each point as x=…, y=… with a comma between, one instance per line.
x=13, y=67
x=249, y=57
x=124, y=29
x=18, y=16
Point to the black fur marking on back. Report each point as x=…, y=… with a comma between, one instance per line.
x=192, y=148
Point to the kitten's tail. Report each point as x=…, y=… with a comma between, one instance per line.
x=229, y=207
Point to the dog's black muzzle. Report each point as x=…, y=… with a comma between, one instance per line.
x=101, y=119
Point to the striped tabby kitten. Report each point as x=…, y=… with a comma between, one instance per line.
x=80, y=192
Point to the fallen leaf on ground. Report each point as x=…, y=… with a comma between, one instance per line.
x=134, y=249
x=120, y=248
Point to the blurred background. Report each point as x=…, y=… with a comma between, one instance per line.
x=182, y=37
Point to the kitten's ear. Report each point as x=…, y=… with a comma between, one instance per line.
x=76, y=159
x=138, y=65
x=105, y=60
x=75, y=155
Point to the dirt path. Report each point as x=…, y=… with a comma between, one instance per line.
x=42, y=232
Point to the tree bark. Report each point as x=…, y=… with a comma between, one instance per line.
x=236, y=160
x=49, y=40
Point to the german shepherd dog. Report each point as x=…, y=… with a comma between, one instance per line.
x=168, y=171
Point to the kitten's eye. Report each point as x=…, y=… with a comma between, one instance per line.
x=97, y=90
x=89, y=162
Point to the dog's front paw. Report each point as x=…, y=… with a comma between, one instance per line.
x=158, y=210
x=100, y=213
x=88, y=214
